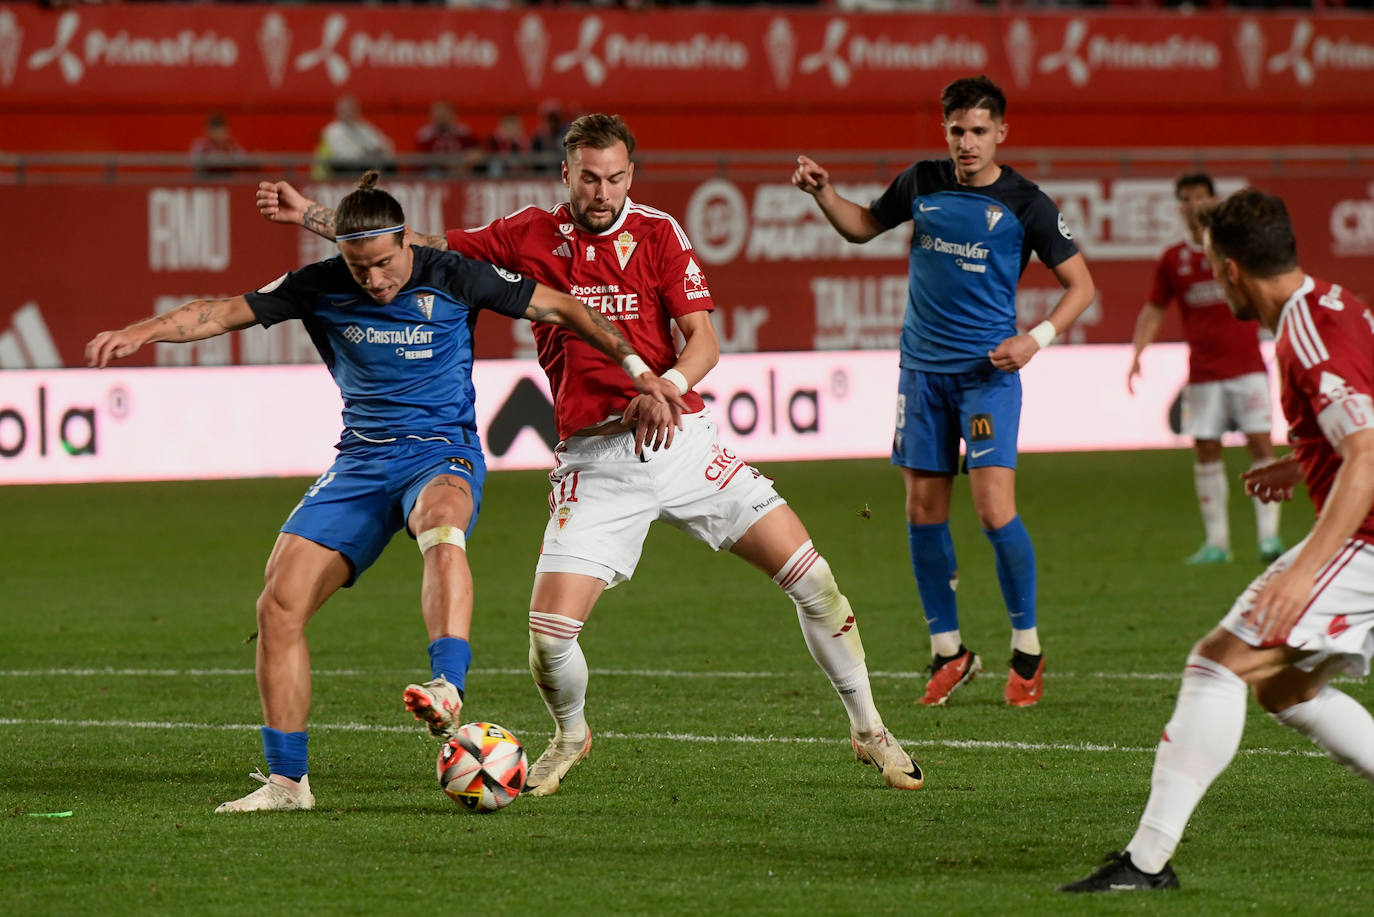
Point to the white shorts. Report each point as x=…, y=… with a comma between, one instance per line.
x=604, y=497
x=1339, y=620
x=1212, y=408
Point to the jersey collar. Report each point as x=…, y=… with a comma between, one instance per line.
x=1303, y=289
x=614, y=227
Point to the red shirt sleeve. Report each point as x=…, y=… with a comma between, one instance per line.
x=1334, y=370
x=682, y=286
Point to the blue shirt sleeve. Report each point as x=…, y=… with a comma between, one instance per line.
x=292, y=295
x=1047, y=233
x=487, y=286
x=893, y=208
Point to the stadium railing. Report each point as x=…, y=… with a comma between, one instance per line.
x=136, y=168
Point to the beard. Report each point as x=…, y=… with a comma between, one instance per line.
x=594, y=222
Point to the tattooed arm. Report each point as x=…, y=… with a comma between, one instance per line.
x=555, y=308
x=279, y=202
x=195, y=321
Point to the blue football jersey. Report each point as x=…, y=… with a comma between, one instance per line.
x=404, y=368
x=969, y=247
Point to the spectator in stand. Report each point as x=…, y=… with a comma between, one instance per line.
x=445, y=135
x=507, y=147
x=547, y=141
x=215, y=152
x=351, y=144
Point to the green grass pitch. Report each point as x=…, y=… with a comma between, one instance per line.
x=721, y=781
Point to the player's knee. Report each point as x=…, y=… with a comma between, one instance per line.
x=441, y=534
x=551, y=636
x=278, y=610
x=808, y=580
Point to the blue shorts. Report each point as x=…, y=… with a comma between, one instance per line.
x=936, y=410
x=367, y=494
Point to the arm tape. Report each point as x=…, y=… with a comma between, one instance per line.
x=1043, y=333
x=678, y=379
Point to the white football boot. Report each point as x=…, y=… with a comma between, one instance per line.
x=277, y=794
x=553, y=765
x=436, y=703
x=882, y=751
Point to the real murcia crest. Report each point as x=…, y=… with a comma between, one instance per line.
x=624, y=248
x=426, y=304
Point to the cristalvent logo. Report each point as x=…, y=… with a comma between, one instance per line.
x=74, y=52
x=409, y=336
x=962, y=249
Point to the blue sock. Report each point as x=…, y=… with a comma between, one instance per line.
x=286, y=752
x=1015, y=571
x=450, y=657
x=932, y=560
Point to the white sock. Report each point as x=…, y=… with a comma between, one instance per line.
x=1266, y=514
x=1212, y=494
x=560, y=671
x=1198, y=743
x=831, y=633
x=1340, y=725
x=1026, y=640
x=946, y=644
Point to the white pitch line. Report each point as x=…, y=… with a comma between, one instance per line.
x=624, y=673
x=975, y=744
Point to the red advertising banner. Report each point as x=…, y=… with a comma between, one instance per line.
x=677, y=63
x=781, y=278
x=265, y=53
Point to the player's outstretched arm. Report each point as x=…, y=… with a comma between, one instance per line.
x=1280, y=603
x=195, y=321
x=852, y=221
x=280, y=202
x=1147, y=325
x=555, y=308
x=1016, y=351
x=1274, y=482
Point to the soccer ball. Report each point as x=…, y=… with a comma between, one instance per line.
x=482, y=767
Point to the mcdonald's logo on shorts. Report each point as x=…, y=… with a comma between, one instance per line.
x=980, y=427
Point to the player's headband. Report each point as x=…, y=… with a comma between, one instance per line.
x=369, y=233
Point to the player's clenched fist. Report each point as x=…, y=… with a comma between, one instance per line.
x=278, y=202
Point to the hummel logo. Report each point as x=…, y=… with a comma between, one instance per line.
x=29, y=345
x=924, y=209
x=979, y=453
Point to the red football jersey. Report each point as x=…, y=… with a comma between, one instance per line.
x=1220, y=346
x=641, y=273
x=1325, y=352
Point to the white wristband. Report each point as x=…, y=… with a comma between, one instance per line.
x=677, y=379
x=634, y=365
x=1043, y=333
